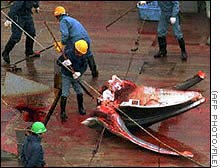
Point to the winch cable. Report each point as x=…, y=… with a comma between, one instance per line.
x=13, y=110
x=154, y=137
x=139, y=35
x=22, y=29
x=161, y=142
x=129, y=64
x=135, y=49
x=97, y=146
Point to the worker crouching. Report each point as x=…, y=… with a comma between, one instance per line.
x=77, y=61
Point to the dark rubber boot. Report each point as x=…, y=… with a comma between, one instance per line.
x=183, y=50
x=29, y=45
x=92, y=66
x=63, y=115
x=162, y=47
x=80, y=104
x=5, y=54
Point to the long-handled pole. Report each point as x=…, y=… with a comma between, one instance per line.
x=51, y=110
x=63, y=54
x=13, y=66
x=5, y=7
x=120, y=17
x=129, y=65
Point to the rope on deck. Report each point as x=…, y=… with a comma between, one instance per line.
x=154, y=137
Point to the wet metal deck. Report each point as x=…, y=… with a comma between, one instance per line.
x=71, y=144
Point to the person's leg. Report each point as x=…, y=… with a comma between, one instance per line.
x=9, y=46
x=184, y=54
x=63, y=115
x=29, y=42
x=81, y=108
x=161, y=36
x=79, y=95
x=65, y=93
x=179, y=36
x=162, y=47
x=15, y=38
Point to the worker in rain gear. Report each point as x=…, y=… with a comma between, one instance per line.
x=21, y=13
x=32, y=153
x=71, y=31
x=170, y=14
x=78, y=61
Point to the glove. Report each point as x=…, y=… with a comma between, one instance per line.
x=141, y=3
x=76, y=75
x=67, y=62
x=7, y=23
x=37, y=10
x=58, y=46
x=172, y=20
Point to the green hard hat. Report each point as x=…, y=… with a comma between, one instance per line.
x=38, y=127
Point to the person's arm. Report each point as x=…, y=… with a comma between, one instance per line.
x=17, y=5
x=36, y=6
x=60, y=60
x=64, y=32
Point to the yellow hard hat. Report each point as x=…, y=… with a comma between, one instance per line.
x=59, y=11
x=81, y=46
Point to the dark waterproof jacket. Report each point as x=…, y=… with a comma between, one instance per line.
x=22, y=8
x=169, y=8
x=79, y=63
x=20, y=12
x=32, y=154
